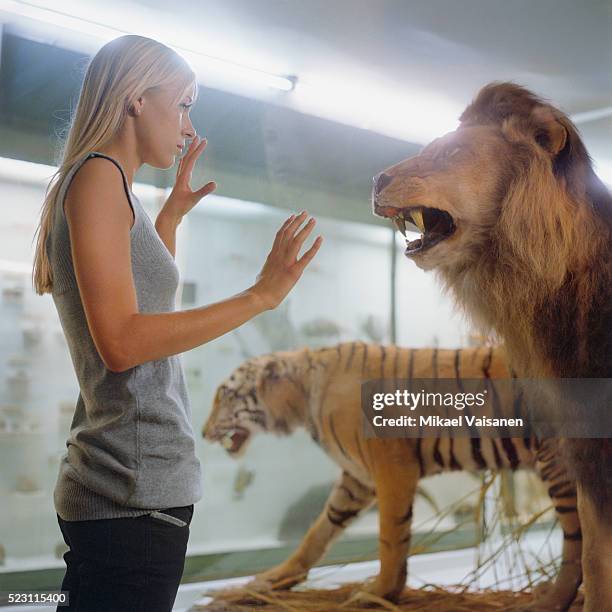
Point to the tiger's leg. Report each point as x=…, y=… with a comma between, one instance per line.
x=348, y=498
x=396, y=475
x=559, y=594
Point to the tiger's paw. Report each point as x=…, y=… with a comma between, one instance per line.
x=279, y=578
x=373, y=593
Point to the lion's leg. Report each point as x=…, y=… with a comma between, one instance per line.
x=591, y=461
x=396, y=475
x=348, y=498
x=597, y=553
x=562, y=490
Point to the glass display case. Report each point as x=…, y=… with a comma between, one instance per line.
x=266, y=500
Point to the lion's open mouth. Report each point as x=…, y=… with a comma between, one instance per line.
x=434, y=224
x=233, y=440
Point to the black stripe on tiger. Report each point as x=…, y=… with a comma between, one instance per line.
x=350, y=359
x=359, y=451
x=474, y=441
x=454, y=464
x=565, y=509
x=342, y=516
x=406, y=538
x=383, y=354
x=547, y=472
x=498, y=461
x=406, y=517
x=349, y=493
x=411, y=364
x=562, y=489
x=476, y=454
x=459, y=381
x=419, y=454
x=437, y=455
x=395, y=364
x=434, y=363
x=486, y=366
x=336, y=440
x=573, y=537
x=510, y=453
x=365, y=358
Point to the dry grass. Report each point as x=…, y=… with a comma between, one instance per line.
x=515, y=572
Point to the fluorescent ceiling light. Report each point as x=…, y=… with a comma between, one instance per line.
x=96, y=22
x=355, y=98
x=341, y=92
x=414, y=115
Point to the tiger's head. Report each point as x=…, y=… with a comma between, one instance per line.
x=260, y=395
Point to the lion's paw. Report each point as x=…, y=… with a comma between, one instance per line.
x=546, y=598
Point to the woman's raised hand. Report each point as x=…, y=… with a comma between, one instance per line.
x=282, y=269
x=182, y=198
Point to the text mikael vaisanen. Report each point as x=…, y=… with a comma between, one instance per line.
x=513, y=407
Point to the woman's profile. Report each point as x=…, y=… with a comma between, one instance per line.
x=127, y=485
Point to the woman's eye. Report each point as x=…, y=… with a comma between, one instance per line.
x=186, y=106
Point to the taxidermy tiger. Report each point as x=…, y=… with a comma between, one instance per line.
x=320, y=390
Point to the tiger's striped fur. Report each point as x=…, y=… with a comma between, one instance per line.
x=320, y=390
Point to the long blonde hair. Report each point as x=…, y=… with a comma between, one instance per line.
x=119, y=73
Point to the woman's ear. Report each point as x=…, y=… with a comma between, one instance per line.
x=135, y=108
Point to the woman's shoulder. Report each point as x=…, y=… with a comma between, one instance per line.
x=97, y=187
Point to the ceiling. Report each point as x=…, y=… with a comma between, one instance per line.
x=267, y=152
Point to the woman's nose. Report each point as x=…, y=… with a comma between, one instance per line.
x=189, y=131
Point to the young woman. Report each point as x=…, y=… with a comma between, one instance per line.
x=126, y=487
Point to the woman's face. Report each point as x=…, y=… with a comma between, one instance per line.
x=163, y=125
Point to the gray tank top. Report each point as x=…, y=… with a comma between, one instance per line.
x=131, y=448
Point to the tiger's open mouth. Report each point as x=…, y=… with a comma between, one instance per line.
x=233, y=440
x=434, y=225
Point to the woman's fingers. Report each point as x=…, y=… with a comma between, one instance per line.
x=292, y=227
x=189, y=159
x=278, y=238
x=305, y=259
x=204, y=191
x=298, y=240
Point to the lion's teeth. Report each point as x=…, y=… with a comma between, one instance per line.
x=400, y=223
x=417, y=217
x=226, y=441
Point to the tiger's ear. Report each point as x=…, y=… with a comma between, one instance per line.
x=548, y=130
x=270, y=374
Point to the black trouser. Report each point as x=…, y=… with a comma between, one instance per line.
x=125, y=564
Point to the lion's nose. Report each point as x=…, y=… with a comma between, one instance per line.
x=381, y=181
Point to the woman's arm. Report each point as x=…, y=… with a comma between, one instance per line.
x=182, y=199
x=166, y=225
x=99, y=220
x=153, y=336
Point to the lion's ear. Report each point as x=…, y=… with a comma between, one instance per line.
x=549, y=132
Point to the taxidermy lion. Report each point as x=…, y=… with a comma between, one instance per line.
x=320, y=390
x=518, y=227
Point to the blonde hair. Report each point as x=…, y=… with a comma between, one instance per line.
x=119, y=73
